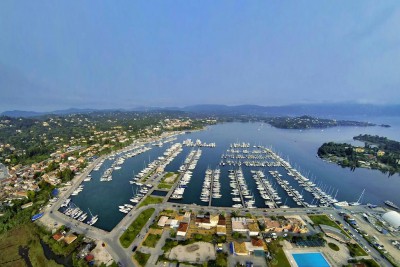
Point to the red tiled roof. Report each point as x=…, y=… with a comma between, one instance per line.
x=221, y=220
x=183, y=227
x=203, y=220
x=89, y=257
x=57, y=236
x=257, y=242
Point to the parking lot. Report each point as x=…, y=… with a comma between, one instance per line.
x=385, y=240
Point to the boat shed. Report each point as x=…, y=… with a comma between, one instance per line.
x=393, y=218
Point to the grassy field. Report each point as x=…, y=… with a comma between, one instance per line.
x=280, y=259
x=355, y=250
x=169, y=174
x=151, y=240
x=151, y=200
x=141, y=258
x=323, y=219
x=164, y=186
x=167, y=185
x=134, y=229
x=333, y=246
x=167, y=212
x=24, y=236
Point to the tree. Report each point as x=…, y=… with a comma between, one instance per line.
x=31, y=195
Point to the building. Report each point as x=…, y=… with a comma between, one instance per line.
x=239, y=225
x=27, y=205
x=380, y=153
x=58, y=236
x=239, y=248
x=221, y=230
x=272, y=225
x=182, y=229
x=70, y=238
x=245, y=226
x=292, y=224
x=221, y=225
x=392, y=218
x=207, y=221
x=21, y=194
x=203, y=221
x=255, y=245
x=162, y=221
x=359, y=149
x=89, y=258
x=254, y=230
x=173, y=223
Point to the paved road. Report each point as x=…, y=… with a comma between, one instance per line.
x=360, y=239
x=112, y=238
x=157, y=251
x=122, y=255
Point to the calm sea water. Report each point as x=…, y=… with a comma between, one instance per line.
x=299, y=147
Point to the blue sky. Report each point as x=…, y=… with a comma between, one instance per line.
x=121, y=54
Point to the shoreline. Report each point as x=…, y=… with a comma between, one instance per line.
x=337, y=162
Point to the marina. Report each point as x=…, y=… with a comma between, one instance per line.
x=267, y=192
x=229, y=173
x=72, y=210
x=186, y=173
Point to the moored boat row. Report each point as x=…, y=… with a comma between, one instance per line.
x=71, y=210
x=186, y=173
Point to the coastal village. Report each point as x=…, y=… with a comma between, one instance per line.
x=75, y=156
x=162, y=233
x=200, y=133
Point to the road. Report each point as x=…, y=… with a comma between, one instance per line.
x=122, y=255
x=360, y=239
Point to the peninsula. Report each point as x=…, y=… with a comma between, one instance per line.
x=308, y=122
x=377, y=153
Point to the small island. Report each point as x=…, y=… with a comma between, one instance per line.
x=377, y=153
x=308, y=122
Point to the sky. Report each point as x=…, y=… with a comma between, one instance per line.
x=124, y=54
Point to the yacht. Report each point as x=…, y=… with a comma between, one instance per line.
x=66, y=202
x=391, y=204
x=176, y=196
x=93, y=220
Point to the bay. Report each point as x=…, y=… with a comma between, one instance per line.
x=298, y=146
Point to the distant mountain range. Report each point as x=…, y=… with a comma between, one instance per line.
x=325, y=110
x=322, y=110
x=27, y=114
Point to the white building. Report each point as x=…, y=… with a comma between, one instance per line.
x=393, y=218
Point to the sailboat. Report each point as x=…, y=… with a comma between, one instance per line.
x=93, y=219
x=358, y=203
x=133, y=178
x=284, y=205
